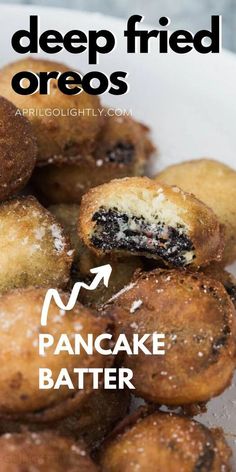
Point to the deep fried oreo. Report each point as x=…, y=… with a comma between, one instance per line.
x=138, y=216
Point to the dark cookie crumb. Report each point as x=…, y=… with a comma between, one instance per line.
x=231, y=290
x=115, y=230
x=205, y=459
x=121, y=153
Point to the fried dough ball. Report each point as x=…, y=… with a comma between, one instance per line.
x=43, y=452
x=85, y=259
x=17, y=150
x=214, y=184
x=139, y=216
x=34, y=250
x=198, y=319
x=95, y=418
x=20, y=324
x=165, y=442
x=122, y=150
x=60, y=137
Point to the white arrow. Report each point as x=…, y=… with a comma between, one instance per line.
x=102, y=272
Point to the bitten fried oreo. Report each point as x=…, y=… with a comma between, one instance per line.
x=122, y=149
x=165, y=442
x=20, y=325
x=198, y=319
x=214, y=184
x=43, y=452
x=139, y=216
x=61, y=134
x=34, y=250
x=17, y=150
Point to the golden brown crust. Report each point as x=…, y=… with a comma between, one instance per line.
x=199, y=322
x=20, y=395
x=163, y=441
x=203, y=228
x=57, y=136
x=43, y=452
x=224, y=452
x=122, y=149
x=34, y=249
x=215, y=184
x=17, y=150
x=66, y=183
x=93, y=420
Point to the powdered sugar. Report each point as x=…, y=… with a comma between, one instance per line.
x=59, y=241
x=135, y=305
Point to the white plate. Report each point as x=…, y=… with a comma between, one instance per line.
x=188, y=101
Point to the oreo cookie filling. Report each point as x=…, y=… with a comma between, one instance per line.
x=116, y=230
